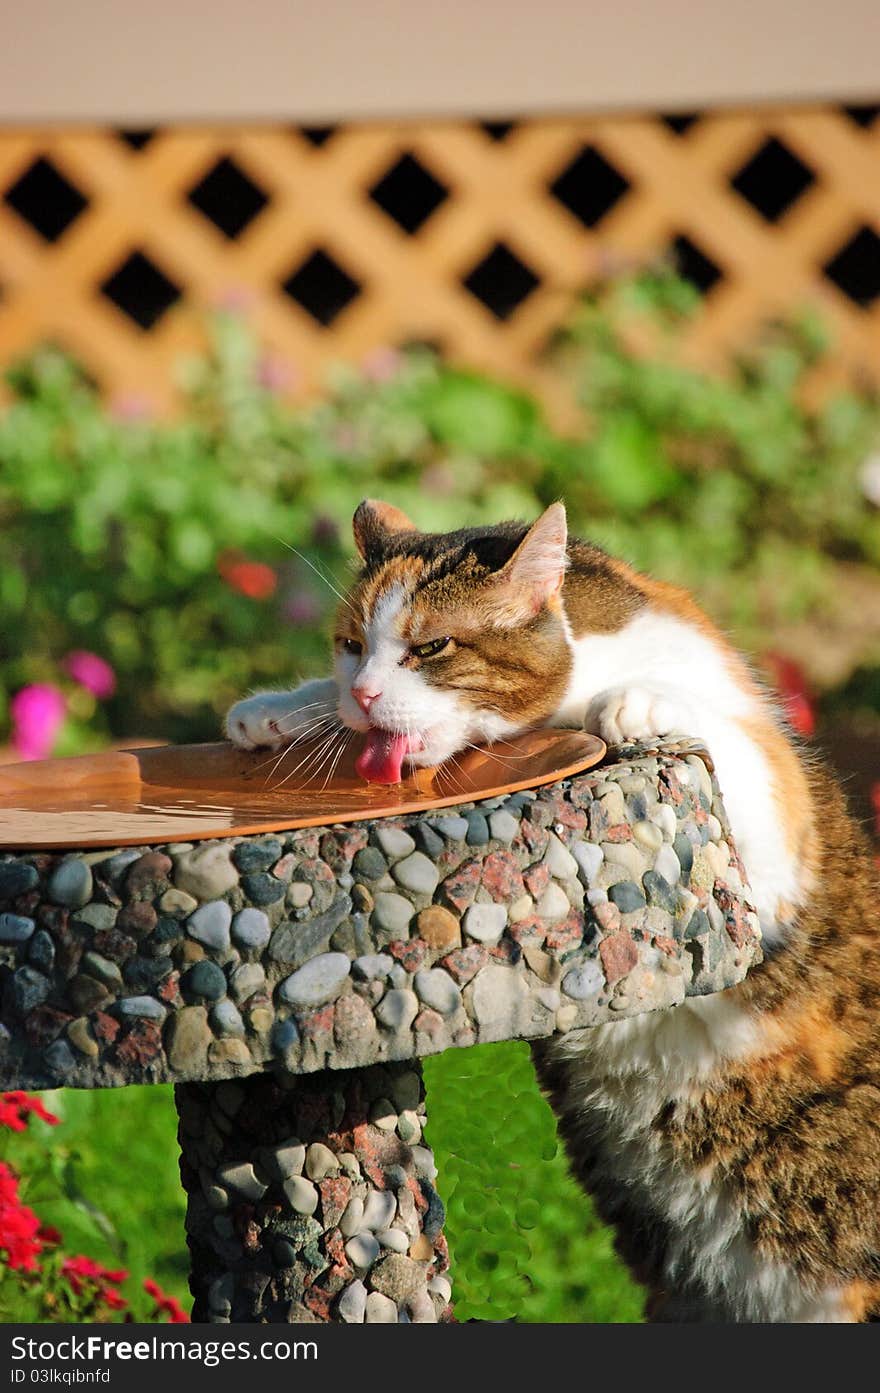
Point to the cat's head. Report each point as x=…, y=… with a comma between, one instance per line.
x=449, y=639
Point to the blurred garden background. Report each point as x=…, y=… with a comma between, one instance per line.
x=216, y=342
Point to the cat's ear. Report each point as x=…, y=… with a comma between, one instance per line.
x=374, y=522
x=534, y=574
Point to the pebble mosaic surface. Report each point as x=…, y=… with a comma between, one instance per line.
x=608, y=894
x=311, y=1198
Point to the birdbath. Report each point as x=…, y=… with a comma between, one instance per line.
x=287, y=957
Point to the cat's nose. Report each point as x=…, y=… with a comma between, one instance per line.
x=365, y=696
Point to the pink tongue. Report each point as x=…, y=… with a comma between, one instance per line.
x=381, y=759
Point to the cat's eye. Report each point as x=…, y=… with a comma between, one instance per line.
x=427, y=650
x=352, y=645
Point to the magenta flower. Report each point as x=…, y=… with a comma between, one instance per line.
x=382, y=364
x=276, y=374
x=91, y=672
x=302, y=608
x=37, y=713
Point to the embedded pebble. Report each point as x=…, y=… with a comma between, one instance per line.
x=246, y=980
x=320, y=1161
x=417, y=873
x=437, y=990
x=383, y=1115
x=226, y=1020
x=177, y=902
x=205, y=979
x=395, y=1239
x=379, y=1210
x=16, y=878
x=302, y=1194
x=146, y=1006
x=381, y=1310
x=372, y=965
x=206, y=872
x=241, y=1177
x=299, y=894
x=553, y=904
x=503, y=826
x=627, y=896
x=589, y=858
x=320, y=980
x=648, y=834
x=352, y=1220
x=454, y=829
x=362, y=1251
x=478, y=829
x=15, y=928
x=285, y=1159
x=70, y=884
x=667, y=864
x=559, y=861
x=398, y=1009
x=485, y=922
x=250, y=928
x=394, y=841
x=352, y=1305
x=210, y=925
x=392, y=912
x=582, y=983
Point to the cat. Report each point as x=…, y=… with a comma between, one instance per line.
x=733, y=1140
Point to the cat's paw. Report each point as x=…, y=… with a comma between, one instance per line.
x=262, y=722
x=634, y=713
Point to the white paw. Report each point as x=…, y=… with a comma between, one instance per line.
x=633, y=713
x=255, y=724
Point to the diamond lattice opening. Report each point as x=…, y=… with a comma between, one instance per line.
x=136, y=139
x=321, y=287
x=409, y=193
x=773, y=179
x=228, y=198
x=680, y=123
x=863, y=115
x=589, y=187
x=317, y=135
x=855, y=269
x=141, y=290
x=501, y=281
x=694, y=265
x=498, y=130
x=46, y=200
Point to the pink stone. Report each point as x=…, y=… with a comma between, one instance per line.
x=619, y=956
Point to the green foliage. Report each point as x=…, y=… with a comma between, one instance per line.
x=113, y=529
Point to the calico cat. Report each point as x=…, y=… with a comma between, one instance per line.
x=733, y=1140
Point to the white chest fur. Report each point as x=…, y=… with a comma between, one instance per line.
x=660, y=654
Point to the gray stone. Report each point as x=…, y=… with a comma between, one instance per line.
x=352, y=1306
x=684, y=851
x=28, y=988
x=16, y=878
x=263, y=888
x=246, y=980
x=205, y=979
x=96, y=916
x=250, y=928
x=299, y=894
x=103, y=970
x=394, y=1239
x=318, y=981
x=369, y=864
x=559, y=860
x=648, y=835
x=362, y=1251
x=394, y=841
x=497, y=999
x=241, y=1177
x=206, y=872
x=381, y=1310
x=145, y=1006
x=478, y=828
x=659, y=891
x=553, y=903
x=417, y=874
x=379, y=1210
x=320, y=1161
x=41, y=951
x=485, y=922
x=437, y=990
x=428, y=840
x=392, y=913
x=666, y=863
x=371, y=965
x=15, y=928
x=627, y=896
x=352, y=1220
x=454, y=829
x=398, y=1009
x=583, y=982
x=210, y=925
x=294, y=943
x=503, y=826
x=589, y=859
x=256, y=856
x=285, y=1036
x=301, y=1193
x=60, y=1058
x=226, y=1020
x=70, y=883
x=284, y=1160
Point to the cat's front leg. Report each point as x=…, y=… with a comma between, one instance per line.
x=271, y=720
x=639, y=713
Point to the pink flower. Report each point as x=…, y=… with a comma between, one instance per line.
x=37, y=712
x=131, y=406
x=91, y=672
x=302, y=608
x=276, y=374
x=382, y=364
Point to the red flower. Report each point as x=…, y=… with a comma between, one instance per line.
x=790, y=683
x=251, y=578
x=165, y=1304
x=19, y=1226
x=86, y=1275
x=16, y=1106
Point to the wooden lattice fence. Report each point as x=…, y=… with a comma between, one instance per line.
x=471, y=237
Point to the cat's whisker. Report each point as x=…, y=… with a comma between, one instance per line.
x=347, y=734
x=321, y=577
x=310, y=728
x=311, y=755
